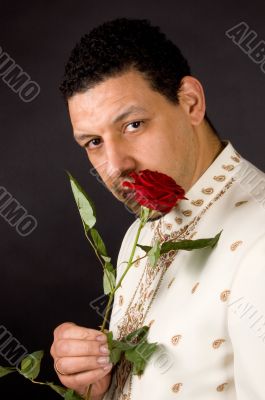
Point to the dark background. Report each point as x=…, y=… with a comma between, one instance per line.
x=52, y=275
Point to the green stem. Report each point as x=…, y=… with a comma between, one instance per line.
x=94, y=248
x=39, y=383
x=108, y=308
x=130, y=262
x=89, y=392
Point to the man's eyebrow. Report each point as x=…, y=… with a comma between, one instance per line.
x=82, y=136
x=131, y=110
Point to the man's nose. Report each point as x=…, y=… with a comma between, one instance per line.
x=119, y=161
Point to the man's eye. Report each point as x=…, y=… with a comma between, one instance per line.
x=92, y=143
x=134, y=125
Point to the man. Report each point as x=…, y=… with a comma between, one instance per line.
x=134, y=105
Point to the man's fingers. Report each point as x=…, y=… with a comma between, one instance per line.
x=69, y=365
x=77, y=348
x=84, y=378
x=69, y=330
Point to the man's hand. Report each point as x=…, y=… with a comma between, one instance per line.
x=81, y=358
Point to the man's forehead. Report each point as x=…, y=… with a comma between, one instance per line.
x=110, y=102
x=117, y=90
x=116, y=111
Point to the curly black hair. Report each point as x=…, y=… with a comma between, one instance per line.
x=119, y=45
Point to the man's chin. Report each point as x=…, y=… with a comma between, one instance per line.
x=131, y=206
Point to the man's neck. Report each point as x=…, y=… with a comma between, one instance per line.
x=210, y=146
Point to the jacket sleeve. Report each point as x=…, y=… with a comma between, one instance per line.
x=246, y=323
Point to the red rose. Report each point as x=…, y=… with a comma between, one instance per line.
x=155, y=190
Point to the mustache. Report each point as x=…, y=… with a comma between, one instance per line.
x=124, y=194
x=118, y=188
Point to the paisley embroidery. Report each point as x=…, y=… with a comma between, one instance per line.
x=153, y=224
x=221, y=387
x=122, y=373
x=120, y=300
x=235, y=245
x=175, y=339
x=169, y=226
x=236, y=159
x=208, y=190
x=217, y=343
x=198, y=202
x=150, y=294
x=178, y=220
x=176, y=388
x=224, y=295
x=195, y=287
x=193, y=234
x=228, y=167
x=239, y=203
x=187, y=213
x=219, y=178
x=137, y=262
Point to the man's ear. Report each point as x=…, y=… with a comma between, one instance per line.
x=192, y=99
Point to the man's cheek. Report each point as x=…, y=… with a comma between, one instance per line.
x=101, y=176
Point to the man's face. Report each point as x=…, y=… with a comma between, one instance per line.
x=124, y=126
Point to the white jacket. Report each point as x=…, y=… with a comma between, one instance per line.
x=206, y=308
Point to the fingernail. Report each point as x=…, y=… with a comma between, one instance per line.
x=101, y=338
x=108, y=367
x=103, y=360
x=104, y=349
